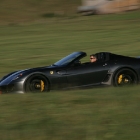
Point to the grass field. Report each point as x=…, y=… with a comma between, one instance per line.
x=91, y=114
x=100, y=114
x=37, y=44
x=33, y=10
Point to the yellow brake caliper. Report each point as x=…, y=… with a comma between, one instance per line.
x=42, y=85
x=120, y=79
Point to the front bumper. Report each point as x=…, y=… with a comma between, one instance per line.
x=16, y=87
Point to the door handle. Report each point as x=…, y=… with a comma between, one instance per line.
x=105, y=65
x=61, y=72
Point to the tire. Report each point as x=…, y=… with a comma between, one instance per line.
x=37, y=84
x=125, y=77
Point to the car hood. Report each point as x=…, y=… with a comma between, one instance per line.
x=9, y=77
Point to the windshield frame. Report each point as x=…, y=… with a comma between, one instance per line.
x=70, y=58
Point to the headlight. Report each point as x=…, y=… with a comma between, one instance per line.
x=17, y=76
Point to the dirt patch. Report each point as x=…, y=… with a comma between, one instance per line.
x=110, y=6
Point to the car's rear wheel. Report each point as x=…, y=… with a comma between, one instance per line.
x=37, y=84
x=125, y=77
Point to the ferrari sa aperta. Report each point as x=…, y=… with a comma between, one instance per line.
x=70, y=72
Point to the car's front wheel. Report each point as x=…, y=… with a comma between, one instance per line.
x=37, y=83
x=125, y=77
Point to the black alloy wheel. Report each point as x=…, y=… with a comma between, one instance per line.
x=125, y=77
x=37, y=84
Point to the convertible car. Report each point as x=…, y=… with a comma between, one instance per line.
x=70, y=72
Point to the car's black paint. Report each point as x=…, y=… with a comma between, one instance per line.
x=70, y=73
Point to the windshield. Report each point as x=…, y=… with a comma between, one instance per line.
x=66, y=60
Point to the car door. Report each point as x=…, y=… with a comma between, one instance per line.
x=57, y=77
x=88, y=74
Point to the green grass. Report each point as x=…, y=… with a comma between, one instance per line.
x=37, y=44
x=100, y=114
x=90, y=114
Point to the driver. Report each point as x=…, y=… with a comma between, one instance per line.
x=93, y=58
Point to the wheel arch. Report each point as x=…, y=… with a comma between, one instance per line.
x=126, y=67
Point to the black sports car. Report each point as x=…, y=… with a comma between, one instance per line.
x=69, y=72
